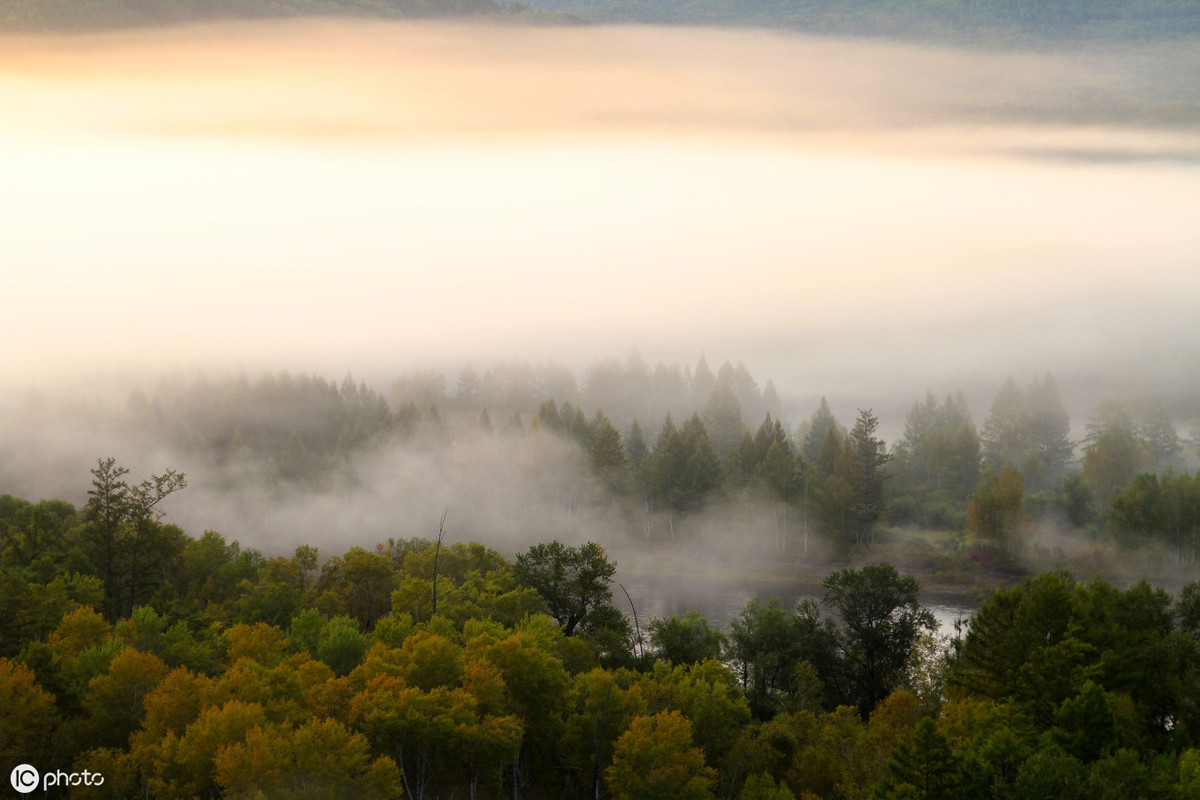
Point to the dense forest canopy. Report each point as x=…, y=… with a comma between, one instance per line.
x=428, y=669
x=695, y=459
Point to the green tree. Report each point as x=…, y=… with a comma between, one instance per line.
x=548, y=418
x=319, y=760
x=126, y=542
x=835, y=506
x=1075, y=497
x=685, y=640
x=604, y=705
x=1048, y=431
x=1112, y=461
x=656, y=760
x=635, y=445
x=820, y=426
x=781, y=473
x=362, y=581
x=940, y=449
x=1158, y=432
x=182, y=763
x=868, y=475
x=1006, y=430
x=608, y=453
x=723, y=419
x=996, y=517
x=115, y=699
x=708, y=695
x=107, y=513
x=575, y=583
x=29, y=714
x=923, y=767
x=763, y=787
x=879, y=623
x=767, y=644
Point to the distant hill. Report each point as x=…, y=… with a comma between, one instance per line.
x=942, y=20
x=85, y=15
x=919, y=19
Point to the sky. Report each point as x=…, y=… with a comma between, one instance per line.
x=844, y=216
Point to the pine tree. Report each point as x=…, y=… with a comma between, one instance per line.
x=548, y=418
x=963, y=448
x=1005, y=431
x=723, y=419
x=829, y=454
x=871, y=457
x=1158, y=432
x=771, y=400
x=608, y=453
x=925, y=764
x=703, y=380
x=635, y=445
x=818, y=431
x=1049, y=433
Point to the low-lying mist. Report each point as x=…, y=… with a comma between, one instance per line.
x=507, y=487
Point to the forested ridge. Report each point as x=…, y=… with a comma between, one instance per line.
x=86, y=15
x=958, y=21
x=427, y=669
x=953, y=20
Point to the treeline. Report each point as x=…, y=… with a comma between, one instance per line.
x=434, y=670
x=302, y=429
x=86, y=15
x=670, y=441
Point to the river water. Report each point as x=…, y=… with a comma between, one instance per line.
x=720, y=606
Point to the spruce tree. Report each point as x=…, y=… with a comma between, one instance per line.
x=871, y=457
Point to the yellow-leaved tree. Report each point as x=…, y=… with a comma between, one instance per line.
x=656, y=760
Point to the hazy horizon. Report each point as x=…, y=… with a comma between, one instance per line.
x=367, y=196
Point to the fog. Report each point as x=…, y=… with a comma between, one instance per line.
x=855, y=219
x=369, y=196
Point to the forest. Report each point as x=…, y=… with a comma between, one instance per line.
x=281, y=515
x=699, y=461
x=175, y=666
x=178, y=665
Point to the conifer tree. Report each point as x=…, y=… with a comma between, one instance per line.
x=871, y=457
x=635, y=445
x=723, y=419
x=819, y=427
x=1049, y=434
x=1158, y=432
x=608, y=453
x=924, y=767
x=1005, y=431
